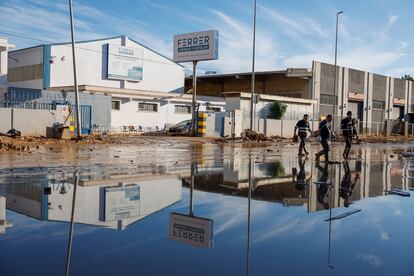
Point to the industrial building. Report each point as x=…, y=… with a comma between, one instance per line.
x=373, y=98
x=125, y=85
x=5, y=46
x=135, y=86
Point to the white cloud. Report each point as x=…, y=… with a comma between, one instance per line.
x=372, y=260
x=235, y=46
x=368, y=53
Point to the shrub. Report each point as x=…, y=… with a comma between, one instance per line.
x=277, y=110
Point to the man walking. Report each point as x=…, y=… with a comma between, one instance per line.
x=325, y=133
x=302, y=127
x=348, y=127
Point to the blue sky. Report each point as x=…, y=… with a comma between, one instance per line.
x=374, y=35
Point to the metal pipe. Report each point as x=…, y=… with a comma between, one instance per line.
x=72, y=224
x=249, y=196
x=335, y=75
x=253, y=72
x=194, y=100
x=192, y=189
x=75, y=81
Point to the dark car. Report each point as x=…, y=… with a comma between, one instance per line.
x=182, y=128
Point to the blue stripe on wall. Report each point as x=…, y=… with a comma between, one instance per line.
x=46, y=66
x=44, y=200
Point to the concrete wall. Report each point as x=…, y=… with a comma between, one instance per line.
x=378, y=93
x=295, y=111
x=129, y=115
x=282, y=128
x=31, y=122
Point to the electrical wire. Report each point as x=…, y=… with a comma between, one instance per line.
x=101, y=52
x=78, y=47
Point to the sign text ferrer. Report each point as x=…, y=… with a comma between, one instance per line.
x=193, y=44
x=196, y=46
x=196, y=231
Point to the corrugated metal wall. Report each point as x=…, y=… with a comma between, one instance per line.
x=100, y=103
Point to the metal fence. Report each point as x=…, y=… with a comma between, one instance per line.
x=377, y=128
x=28, y=105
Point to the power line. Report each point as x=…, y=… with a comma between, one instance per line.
x=77, y=47
x=207, y=68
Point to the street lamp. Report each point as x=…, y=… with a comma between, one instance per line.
x=253, y=72
x=336, y=69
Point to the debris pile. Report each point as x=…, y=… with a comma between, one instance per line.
x=11, y=145
x=253, y=136
x=249, y=136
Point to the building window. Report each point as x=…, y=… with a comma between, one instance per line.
x=116, y=105
x=214, y=109
x=378, y=105
x=150, y=107
x=182, y=109
x=328, y=99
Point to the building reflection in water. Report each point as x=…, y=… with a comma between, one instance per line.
x=306, y=183
x=110, y=203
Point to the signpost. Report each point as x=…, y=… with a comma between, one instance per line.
x=190, y=229
x=194, y=47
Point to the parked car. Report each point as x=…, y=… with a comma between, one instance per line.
x=182, y=128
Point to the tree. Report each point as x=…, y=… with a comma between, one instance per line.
x=277, y=110
x=407, y=77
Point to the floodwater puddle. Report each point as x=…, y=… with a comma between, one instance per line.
x=224, y=212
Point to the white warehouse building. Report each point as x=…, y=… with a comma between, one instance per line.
x=143, y=88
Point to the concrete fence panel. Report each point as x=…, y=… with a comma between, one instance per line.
x=288, y=128
x=5, y=119
x=30, y=122
x=273, y=127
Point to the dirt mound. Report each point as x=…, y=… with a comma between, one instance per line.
x=7, y=144
x=250, y=135
x=253, y=137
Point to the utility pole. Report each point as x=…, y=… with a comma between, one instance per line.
x=194, y=101
x=75, y=81
x=253, y=72
x=336, y=70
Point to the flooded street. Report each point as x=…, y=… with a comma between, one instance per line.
x=205, y=209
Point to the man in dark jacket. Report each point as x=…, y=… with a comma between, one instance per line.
x=325, y=133
x=302, y=128
x=347, y=184
x=348, y=127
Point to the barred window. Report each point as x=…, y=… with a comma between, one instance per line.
x=214, y=109
x=116, y=105
x=378, y=104
x=182, y=109
x=328, y=99
x=148, y=107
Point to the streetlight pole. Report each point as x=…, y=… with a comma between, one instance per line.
x=253, y=72
x=75, y=81
x=336, y=70
x=194, y=101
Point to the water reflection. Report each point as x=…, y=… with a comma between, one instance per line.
x=321, y=193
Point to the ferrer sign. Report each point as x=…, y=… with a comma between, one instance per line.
x=124, y=63
x=191, y=230
x=196, y=46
